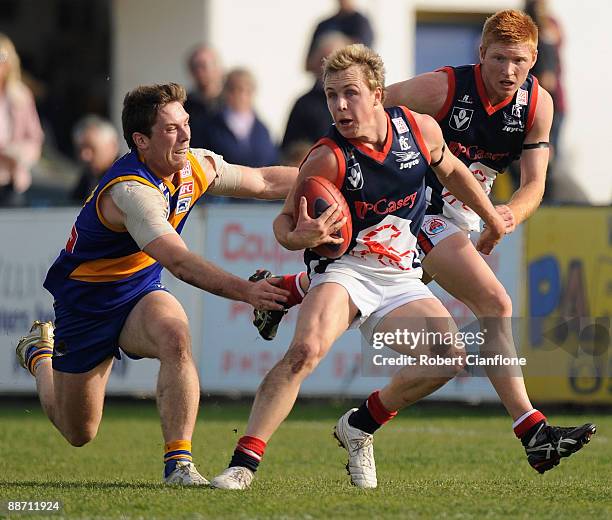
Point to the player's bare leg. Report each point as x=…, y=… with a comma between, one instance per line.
x=410, y=384
x=355, y=428
x=325, y=314
x=72, y=402
x=459, y=269
x=327, y=311
x=158, y=328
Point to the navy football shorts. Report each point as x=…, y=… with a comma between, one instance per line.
x=83, y=342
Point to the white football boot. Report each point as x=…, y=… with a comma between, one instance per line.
x=236, y=477
x=360, y=446
x=41, y=335
x=186, y=474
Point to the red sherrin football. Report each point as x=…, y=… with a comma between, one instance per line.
x=321, y=193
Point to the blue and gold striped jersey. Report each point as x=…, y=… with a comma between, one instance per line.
x=101, y=267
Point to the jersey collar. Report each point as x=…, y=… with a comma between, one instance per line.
x=370, y=152
x=484, y=98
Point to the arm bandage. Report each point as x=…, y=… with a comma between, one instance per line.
x=226, y=178
x=145, y=211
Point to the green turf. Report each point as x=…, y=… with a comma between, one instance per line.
x=432, y=463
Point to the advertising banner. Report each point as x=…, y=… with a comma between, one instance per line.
x=569, y=303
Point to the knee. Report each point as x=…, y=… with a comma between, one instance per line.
x=80, y=437
x=175, y=343
x=494, y=303
x=303, y=356
x=450, y=362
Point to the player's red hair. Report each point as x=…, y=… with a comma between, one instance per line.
x=510, y=26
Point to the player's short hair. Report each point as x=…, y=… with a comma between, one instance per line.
x=510, y=26
x=141, y=105
x=370, y=63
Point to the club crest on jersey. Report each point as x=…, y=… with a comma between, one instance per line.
x=182, y=205
x=435, y=226
x=517, y=111
x=522, y=97
x=353, y=175
x=400, y=125
x=186, y=171
x=465, y=99
x=460, y=118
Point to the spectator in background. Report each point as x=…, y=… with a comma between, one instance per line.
x=204, y=100
x=21, y=136
x=235, y=131
x=349, y=22
x=97, y=146
x=309, y=118
x=548, y=70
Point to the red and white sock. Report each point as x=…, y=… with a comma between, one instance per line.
x=291, y=283
x=527, y=421
x=248, y=453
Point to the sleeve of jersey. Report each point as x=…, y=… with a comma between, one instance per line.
x=145, y=211
x=224, y=179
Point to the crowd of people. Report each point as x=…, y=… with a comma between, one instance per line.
x=221, y=104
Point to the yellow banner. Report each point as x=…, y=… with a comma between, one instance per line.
x=566, y=336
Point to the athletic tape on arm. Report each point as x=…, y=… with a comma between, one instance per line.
x=145, y=211
x=228, y=176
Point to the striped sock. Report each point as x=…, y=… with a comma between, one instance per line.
x=34, y=354
x=371, y=415
x=248, y=453
x=526, y=422
x=291, y=283
x=175, y=451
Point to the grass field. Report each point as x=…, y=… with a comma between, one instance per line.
x=432, y=462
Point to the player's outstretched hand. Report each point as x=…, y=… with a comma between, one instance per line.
x=508, y=216
x=265, y=295
x=312, y=232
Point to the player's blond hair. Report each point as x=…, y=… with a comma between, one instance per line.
x=370, y=63
x=510, y=26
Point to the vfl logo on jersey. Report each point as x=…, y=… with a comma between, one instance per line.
x=354, y=177
x=435, y=226
x=460, y=118
x=186, y=189
x=186, y=171
x=182, y=206
x=465, y=99
x=400, y=125
x=406, y=159
x=522, y=97
x=511, y=124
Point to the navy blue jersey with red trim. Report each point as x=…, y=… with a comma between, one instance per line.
x=101, y=267
x=385, y=192
x=485, y=137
